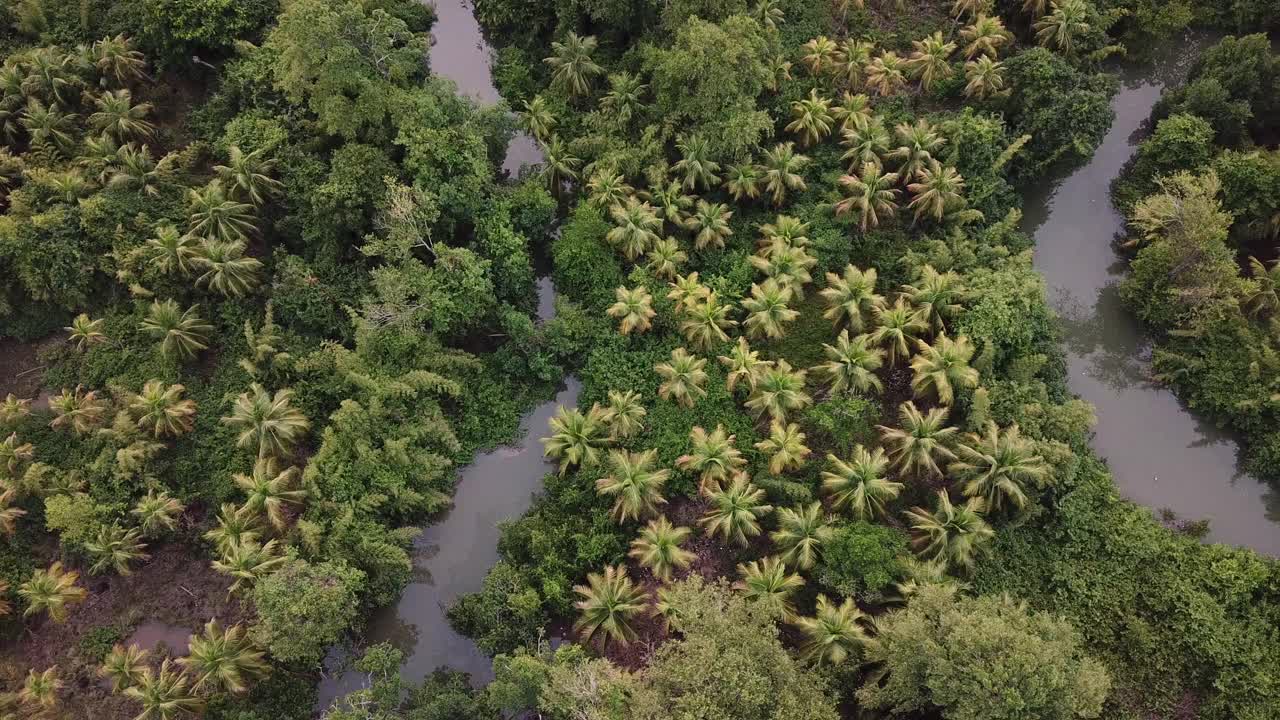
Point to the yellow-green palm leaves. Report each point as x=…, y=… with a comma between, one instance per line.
x=683, y=378
x=635, y=484
x=85, y=332
x=736, y=511
x=785, y=447
x=801, y=532
x=768, y=583
x=921, y=442
x=572, y=68
x=953, y=534
x=162, y=410
x=53, y=591
x=577, y=438
x=834, y=633
x=851, y=364
x=608, y=603
x=271, y=490
x=851, y=298
x=713, y=456
x=267, y=422
x=997, y=466
x=767, y=309
x=943, y=367
x=224, y=659
x=658, y=548
x=859, y=485
x=633, y=309
x=779, y=390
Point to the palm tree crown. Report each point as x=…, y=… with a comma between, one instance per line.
x=942, y=367
x=953, y=534
x=53, y=590
x=860, y=484
x=834, y=632
x=658, y=548
x=801, y=532
x=997, y=466
x=576, y=438
x=767, y=582
x=268, y=422
x=608, y=602
x=224, y=659
x=851, y=364
x=635, y=485
x=713, y=456
x=736, y=511
x=922, y=441
x=683, y=378
x=571, y=64
x=633, y=309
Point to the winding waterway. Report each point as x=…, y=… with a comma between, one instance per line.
x=452, y=556
x=1162, y=454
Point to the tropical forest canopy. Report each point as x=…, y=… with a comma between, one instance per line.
x=265, y=288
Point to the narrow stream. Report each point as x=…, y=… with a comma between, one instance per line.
x=1162, y=455
x=452, y=556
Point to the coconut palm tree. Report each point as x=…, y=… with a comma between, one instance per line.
x=14, y=454
x=224, y=660
x=736, y=511
x=249, y=175
x=953, y=534
x=670, y=200
x=624, y=413
x=834, y=632
x=743, y=181
x=985, y=78
x=268, y=422
x=767, y=309
x=164, y=695
x=820, y=55
x=51, y=74
x=695, y=163
x=872, y=194
x=860, y=484
x=214, y=215
x=937, y=296
x=633, y=309
x=635, y=484
x=608, y=602
x=1263, y=300
x=855, y=55
x=536, y=118
x=683, y=378
x=985, y=36
x=960, y=8
x=1067, y=22
x=917, y=574
x=937, y=189
x=768, y=13
x=786, y=264
x=687, y=290
x=182, y=333
x=782, y=166
x=916, y=145
x=572, y=68
x=658, y=548
x=157, y=513
x=9, y=516
x=812, y=118
x=852, y=364
x=785, y=447
x=39, y=692
x=120, y=118
x=665, y=258
x=922, y=442
x=636, y=228
x=559, y=165
x=767, y=582
x=867, y=142
x=711, y=223
x=576, y=437
x=929, y=62
x=854, y=112
x=713, y=456
x=851, y=297
x=788, y=230
x=779, y=389
x=898, y=329
x=607, y=189
x=1035, y=8
x=887, y=73
x=116, y=548
x=236, y=526
x=801, y=532
x=134, y=167
x=942, y=367
x=123, y=666
x=84, y=332
x=69, y=185
x=997, y=466
x=248, y=562
x=81, y=410
x=270, y=490
x=704, y=323
x=225, y=268
x=47, y=125
x=171, y=252
x=625, y=96
x=13, y=409
x=115, y=57
x=53, y=591
x=161, y=408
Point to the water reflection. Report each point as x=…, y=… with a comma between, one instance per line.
x=1161, y=454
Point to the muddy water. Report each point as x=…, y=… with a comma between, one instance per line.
x=155, y=635
x=1162, y=454
x=453, y=555
x=460, y=53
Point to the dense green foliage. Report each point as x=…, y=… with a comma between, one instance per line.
x=823, y=460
